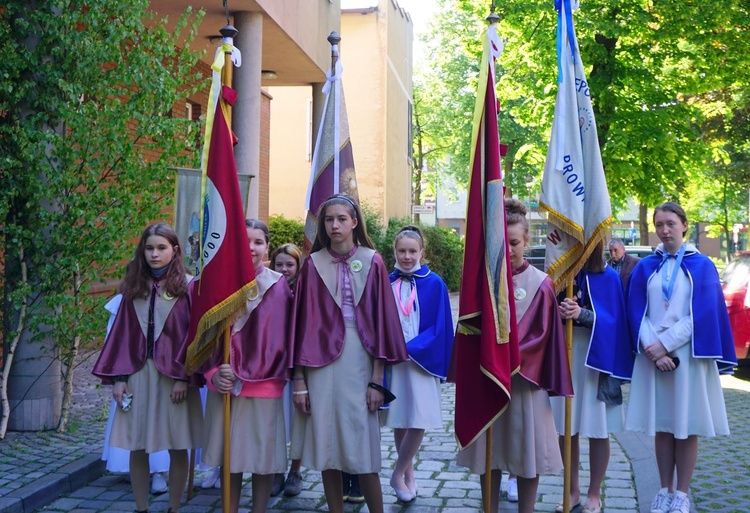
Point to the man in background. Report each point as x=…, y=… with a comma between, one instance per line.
x=621, y=261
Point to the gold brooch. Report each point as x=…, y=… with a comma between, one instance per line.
x=356, y=266
x=166, y=296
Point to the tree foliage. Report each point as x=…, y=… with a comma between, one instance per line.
x=669, y=82
x=90, y=130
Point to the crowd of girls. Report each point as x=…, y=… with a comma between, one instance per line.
x=337, y=339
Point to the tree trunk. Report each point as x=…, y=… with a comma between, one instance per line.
x=418, y=166
x=643, y=224
x=8, y=357
x=70, y=366
x=68, y=386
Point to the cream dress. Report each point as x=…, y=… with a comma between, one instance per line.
x=340, y=433
x=153, y=423
x=524, y=439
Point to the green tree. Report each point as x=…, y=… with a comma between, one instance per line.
x=660, y=73
x=90, y=132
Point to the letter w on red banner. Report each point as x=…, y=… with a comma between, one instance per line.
x=485, y=353
x=226, y=277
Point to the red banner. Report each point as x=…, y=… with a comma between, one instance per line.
x=226, y=277
x=485, y=353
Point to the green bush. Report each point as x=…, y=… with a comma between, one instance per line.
x=374, y=225
x=285, y=230
x=445, y=252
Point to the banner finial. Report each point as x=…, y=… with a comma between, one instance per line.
x=334, y=38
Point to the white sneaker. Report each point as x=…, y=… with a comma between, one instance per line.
x=680, y=504
x=158, y=483
x=211, y=480
x=662, y=502
x=513, y=489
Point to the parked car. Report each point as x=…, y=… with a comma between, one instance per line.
x=537, y=253
x=734, y=281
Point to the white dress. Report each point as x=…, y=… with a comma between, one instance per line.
x=590, y=417
x=417, y=404
x=688, y=400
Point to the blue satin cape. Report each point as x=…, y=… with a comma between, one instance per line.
x=609, y=349
x=431, y=349
x=712, y=335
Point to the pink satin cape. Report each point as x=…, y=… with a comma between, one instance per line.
x=124, y=350
x=319, y=328
x=541, y=337
x=261, y=349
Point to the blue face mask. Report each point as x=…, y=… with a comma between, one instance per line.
x=158, y=273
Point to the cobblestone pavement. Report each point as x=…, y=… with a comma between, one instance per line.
x=443, y=487
x=31, y=461
x=721, y=482
x=35, y=459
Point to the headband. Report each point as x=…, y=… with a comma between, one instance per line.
x=409, y=231
x=345, y=198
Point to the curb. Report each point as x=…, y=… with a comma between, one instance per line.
x=47, y=489
x=639, y=449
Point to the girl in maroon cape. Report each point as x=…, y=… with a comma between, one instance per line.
x=259, y=364
x=346, y=329
x=144, y=356
x=287, y=260
x=524, y=438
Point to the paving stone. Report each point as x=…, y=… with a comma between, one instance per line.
x=619, y=492
x=720, y=482
x=65, y=504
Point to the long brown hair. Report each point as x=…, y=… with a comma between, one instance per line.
x=595, y=261
x=137, y=281
x=360, y=231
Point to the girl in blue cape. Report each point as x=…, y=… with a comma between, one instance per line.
x=424, y=310
x=601, y=356
x=680, y=331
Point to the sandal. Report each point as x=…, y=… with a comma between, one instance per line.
x=593, y=509
x=573, y=509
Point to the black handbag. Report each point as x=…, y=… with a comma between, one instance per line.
x=609, y=390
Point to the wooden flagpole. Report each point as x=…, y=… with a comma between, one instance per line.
x=493, y=18
x=568, y=411
x=488, y=491
x=225, y=481
x=228, y=32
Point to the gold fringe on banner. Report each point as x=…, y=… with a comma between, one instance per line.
x=213, y=323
